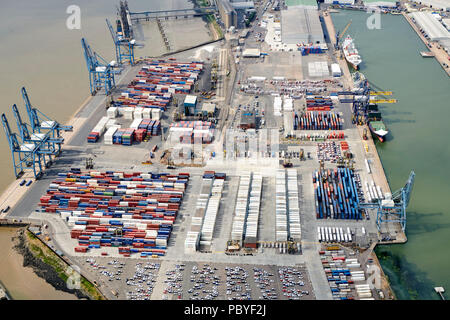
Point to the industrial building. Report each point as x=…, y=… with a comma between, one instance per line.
x=243, y=5
x=251, y=53
x=301, y=25
x=248, y=121
x=435, y=4
x=207, y=109
x=445, y=45
x=430, y=26
x=227, y=13
x=446, y=23
x=381, y=3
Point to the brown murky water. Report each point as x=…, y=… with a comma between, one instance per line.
x=40, y=53
x=22, y=283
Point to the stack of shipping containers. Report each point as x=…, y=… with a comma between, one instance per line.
x=336, y=194
x=132, y=211
x=293, y=206
x=98, y=130
x=281, y=231
x=112, y=112
x=193, y=236
x=241, y=208
x=211, y=214
x=109, y=134
x=317, y=120
x=254, y=206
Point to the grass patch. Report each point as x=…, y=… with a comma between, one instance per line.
x=210, y=18
x=45, y=254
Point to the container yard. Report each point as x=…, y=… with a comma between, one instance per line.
x=244, y=223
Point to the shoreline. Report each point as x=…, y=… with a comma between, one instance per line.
x=439, y=54
x=14, y=192
x=377, y=164
x=40, y=268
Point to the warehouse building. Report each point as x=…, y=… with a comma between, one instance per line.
x=301, y=25
x=248, y=121
x=445, y=45
x=430, y=26
x=243, y=5
x=251, y=53
x=435, y=4
x=446, y=23
x=227, y=13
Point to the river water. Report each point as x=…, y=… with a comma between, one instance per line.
x=40, y=53
x=22, y=283
x=418, y=140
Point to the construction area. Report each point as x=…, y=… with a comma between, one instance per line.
x=208, y=174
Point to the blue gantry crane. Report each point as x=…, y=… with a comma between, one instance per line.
x=101, y=73
x=49, y=142
x=40, y=123
x=393, y=209
x=24, y=155
x=124, y=46
x=39, y=139
x=36, y=143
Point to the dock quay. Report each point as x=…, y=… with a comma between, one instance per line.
x=169, y=175
x=439, y=53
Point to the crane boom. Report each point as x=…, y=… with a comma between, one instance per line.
x=345, y=29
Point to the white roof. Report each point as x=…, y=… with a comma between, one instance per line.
x=439, y=4
x=446, y=23
x=251, y=52
x=380, y=3
x=301, y=25
x=190, y=99
x=335, y=67
x=431, y=26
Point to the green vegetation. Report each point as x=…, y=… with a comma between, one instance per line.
x=211, y=19
x=406, y=281
x=45, y=254
x=250, y=18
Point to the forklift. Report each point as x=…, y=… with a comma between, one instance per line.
x=365, y=134
x=89, y=163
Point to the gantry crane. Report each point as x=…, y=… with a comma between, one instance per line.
x=24, y=155
x=124, y=46
x=339, y=34
x=101, y=73
x=39, y=139
x=36, y=146
x=124, y=14
x=48, y=146
x=40, y=123
x=393, y=209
